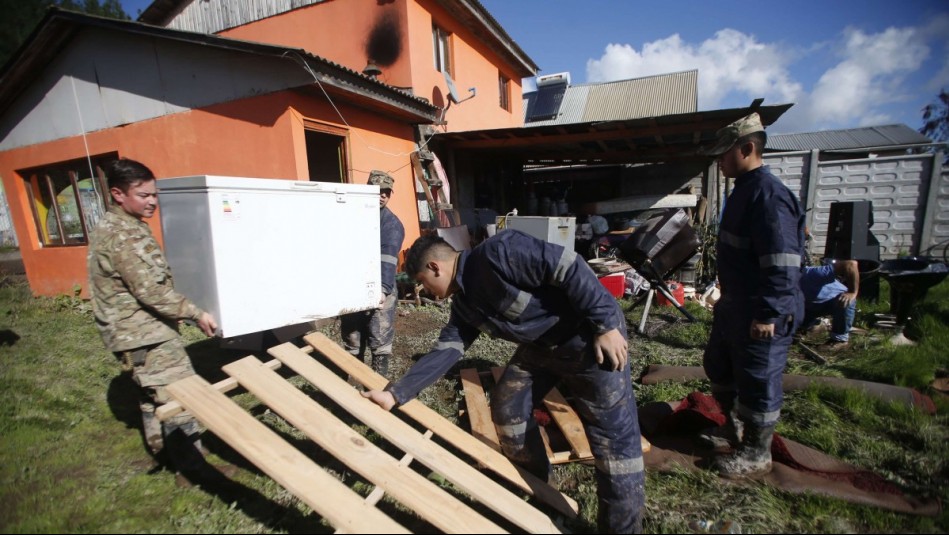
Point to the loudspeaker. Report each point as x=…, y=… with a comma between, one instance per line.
x=849, y=238
x=848, y=234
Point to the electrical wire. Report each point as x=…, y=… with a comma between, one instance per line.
x=293, y=55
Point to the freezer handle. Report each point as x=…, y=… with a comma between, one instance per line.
x=308, y=185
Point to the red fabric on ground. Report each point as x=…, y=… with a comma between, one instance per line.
x=699, y=411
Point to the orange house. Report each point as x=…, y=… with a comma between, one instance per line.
x=326, y=92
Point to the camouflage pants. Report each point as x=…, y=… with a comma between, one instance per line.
x=373, y=328
x=153, y=368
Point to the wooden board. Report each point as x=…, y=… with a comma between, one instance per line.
x=278, y=459
x=344, y=509
x=407, y=486
x=446, y=430
x=458, y=471
x=479, y=416
x=567, y=420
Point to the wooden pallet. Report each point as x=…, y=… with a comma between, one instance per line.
x=565, y=443
x=324, y=493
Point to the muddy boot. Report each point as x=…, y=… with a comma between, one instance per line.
x=727, y=436
x=380, y=365
x=753, y=456
x=151, y=429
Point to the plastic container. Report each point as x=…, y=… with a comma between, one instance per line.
x=615, y=283
x=677, y=291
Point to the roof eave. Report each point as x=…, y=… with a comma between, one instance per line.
x=483, y=25
x=59, y=26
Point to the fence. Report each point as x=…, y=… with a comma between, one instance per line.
x=910, y=196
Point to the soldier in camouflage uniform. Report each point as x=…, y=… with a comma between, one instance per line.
x=137, y=309
x=376, y=328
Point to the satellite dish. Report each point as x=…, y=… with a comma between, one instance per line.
x=453, y=93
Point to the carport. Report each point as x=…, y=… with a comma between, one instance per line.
x=499, y=169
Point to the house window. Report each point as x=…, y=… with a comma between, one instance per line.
x=326, y=154
x=67, y=202
x=504, y=89
x=442, y=46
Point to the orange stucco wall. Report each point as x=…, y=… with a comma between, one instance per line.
x=258, y=137
x=338, y=30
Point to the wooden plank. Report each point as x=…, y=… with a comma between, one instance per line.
x=285, y=464
x=445, y=429
x=420, y=175
x=226, y=385
x=482, y=426
x=557, y=405
x=546, y=439
x=465, y=476
x=378, y=492
x=569, y=423
x=583, y=444
x=811, y=354
x=419, y=494
x=641, y=202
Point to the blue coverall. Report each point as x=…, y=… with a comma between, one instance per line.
x=820, y=287
x=376, y=327
x=546, y=299
x=760, y=248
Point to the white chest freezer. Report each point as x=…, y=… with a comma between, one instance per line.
x=559, y=230
x=260, y=253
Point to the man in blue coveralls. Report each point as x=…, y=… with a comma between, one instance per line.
x=545, y=298
x=375, y=328
x=831, y=290
x=760, y=248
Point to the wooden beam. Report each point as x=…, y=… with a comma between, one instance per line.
x=465, y=476
x=226, y=385
x=407, y=486
x=445, y=429
x=479, y=416
x=278, y=459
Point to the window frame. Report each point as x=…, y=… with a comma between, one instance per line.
x=343, y=150
x=442, y=50
x=504, y=91
x=41, y=183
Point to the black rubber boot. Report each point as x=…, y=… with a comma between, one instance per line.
x=753, y=456
x=727, y=436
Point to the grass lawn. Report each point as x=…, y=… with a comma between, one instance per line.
x=72, y=458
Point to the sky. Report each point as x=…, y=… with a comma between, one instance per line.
x=842, y=63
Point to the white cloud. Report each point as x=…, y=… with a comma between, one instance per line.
x=730, y=64
x=869, y=76
x=868, y=85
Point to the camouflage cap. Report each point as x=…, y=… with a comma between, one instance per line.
x=382, y=179
x=726, y=137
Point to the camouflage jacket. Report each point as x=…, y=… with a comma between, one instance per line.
x=133, y=295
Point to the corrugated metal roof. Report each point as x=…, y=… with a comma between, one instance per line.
x=646, y=139
x=650, y=96
x=869, y=137
x=59, y=26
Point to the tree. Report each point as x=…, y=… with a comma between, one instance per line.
x=20, y=18
x=936, y=118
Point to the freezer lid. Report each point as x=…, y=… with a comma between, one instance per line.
x=214, y=182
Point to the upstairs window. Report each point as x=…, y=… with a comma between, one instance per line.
x=504, y=90
x=67, y=202
x=441, y=40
